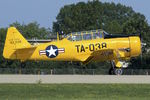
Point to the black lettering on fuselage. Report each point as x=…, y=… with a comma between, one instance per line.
x=98, y=46
x=91, y=47
x=77, y=47
x=82, y=48
x=104, y=45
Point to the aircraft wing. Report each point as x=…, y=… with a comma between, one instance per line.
x=102, y=55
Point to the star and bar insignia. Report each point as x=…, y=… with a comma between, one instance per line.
x=51, y=51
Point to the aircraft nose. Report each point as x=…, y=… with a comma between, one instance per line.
x=135, y=46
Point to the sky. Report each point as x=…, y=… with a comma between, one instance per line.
x=45, y=11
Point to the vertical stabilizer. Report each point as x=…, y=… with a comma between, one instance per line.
x=14, y=40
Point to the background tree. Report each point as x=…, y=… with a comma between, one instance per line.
x=32, y=30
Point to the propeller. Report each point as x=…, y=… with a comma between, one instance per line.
x=143, y=48
x=143, y=44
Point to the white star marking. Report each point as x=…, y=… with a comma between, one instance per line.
x=51, y=51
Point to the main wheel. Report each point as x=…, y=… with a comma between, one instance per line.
x=118, y=71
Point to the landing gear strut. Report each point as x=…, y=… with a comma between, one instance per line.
x=114, y=70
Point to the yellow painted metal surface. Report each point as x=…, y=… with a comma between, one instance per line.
x=98, y=49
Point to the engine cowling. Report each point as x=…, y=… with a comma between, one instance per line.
x=135, y=46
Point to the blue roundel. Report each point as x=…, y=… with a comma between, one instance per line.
x=51, y=51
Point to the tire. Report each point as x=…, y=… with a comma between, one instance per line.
x=118, y=71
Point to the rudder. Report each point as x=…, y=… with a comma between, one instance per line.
x=14, y=40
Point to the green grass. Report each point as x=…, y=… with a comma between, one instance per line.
x=74, y=92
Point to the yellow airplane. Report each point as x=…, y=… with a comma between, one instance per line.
x=85, y=47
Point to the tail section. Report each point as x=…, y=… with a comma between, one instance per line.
x=14, y=40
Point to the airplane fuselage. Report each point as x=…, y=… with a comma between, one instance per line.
x=65, y=50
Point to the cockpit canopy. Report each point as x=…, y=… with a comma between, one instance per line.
x=86, y=35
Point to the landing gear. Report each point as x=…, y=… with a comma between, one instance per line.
x=114, y=70
x=118, y=71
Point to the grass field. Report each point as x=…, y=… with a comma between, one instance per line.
x=74, y=92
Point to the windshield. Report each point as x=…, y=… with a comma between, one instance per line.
x=86, y=35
